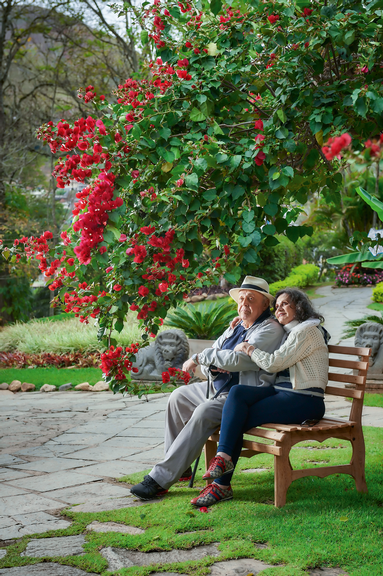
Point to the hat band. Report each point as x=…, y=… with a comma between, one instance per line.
x=253, y=287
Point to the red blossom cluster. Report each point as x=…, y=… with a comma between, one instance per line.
x=273, y=18
x=231, y=15
x=83, y=305
x=172, y=375
x=308, y=11
x=334, y=146
x=375, y=147
x=117, y=360
x=259, y=139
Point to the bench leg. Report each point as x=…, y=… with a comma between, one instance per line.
x=358, y=461
x=282, y=478
x=210, y=452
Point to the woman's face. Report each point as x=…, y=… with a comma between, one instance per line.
x=284, y=311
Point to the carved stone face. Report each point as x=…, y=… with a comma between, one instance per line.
x=169, y=353
x=371, y=340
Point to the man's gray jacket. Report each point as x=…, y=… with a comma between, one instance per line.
x=266, y=336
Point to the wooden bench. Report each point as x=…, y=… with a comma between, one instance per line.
x=284, y=436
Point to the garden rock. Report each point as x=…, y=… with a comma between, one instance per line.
x=4, y=386
x=64, y=546
x=122, y=558
x=3, y=552
x=85, y=386
x=15, y=386
x=114, y=527
x=197, y=298
x=46, y=569
x=211, y=297
x=100, y=386
x=64, y=387
x=6, y=393
x=48, y=388
x=241, y=567
x=27, y=387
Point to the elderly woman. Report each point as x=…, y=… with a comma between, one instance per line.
x=301, y=364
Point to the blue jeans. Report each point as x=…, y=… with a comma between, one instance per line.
x=250, y=406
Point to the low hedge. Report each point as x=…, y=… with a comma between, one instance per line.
x=299, y=277
x=377, y=293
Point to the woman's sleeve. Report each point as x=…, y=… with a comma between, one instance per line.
x=298, y=346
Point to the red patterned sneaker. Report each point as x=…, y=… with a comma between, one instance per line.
x=212, y=494
x=218, y=467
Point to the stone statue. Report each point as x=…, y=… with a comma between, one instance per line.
x=169, y=350
x=370, y=335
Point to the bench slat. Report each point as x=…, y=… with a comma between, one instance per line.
x=349, y=350
x=264, y=448
x=348, y=378
x=347, y=392
x=354, y=364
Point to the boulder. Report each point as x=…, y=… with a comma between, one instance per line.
x=85, y=386
x=197, y=298
x=211, y=297
x=4, y=386
x=48, y=388
x=27, y=387
x=15, y=386
x=6, y=393
x=100, y=386
x=64, y=387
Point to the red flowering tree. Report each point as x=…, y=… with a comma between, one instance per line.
x=195, y=167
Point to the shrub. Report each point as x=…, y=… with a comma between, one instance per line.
x=351, y=275
x=208, y=321
x=301, y=276
x=278, y=261
x=377, y=293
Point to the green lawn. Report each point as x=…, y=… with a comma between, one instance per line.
x=325, y=522
x=52, y=375
x=373, y=400
x=376, y=306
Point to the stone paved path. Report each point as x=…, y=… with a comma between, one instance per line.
x=67, y=448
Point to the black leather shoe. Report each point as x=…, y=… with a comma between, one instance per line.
x=147, y=489
x=185, y=476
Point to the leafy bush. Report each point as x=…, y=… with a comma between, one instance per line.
x=352, y=325
x=377, y=292
x=352, y=275
x=208, y=321
x=301, y=276
x=278, y=261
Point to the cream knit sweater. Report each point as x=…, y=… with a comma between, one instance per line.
x=304, y=352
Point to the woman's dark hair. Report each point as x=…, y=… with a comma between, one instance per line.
x=303, y=307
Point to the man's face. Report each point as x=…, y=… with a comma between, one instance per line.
x=251, y=304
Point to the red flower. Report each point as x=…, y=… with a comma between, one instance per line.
x=143, y=291
x=147, y=230
x=179, y=183
x=165, y=377
x=226, y=250
x=48, y=235
x=260, y=157
x=273, y=18
x=258, y=125
x=188, y=45
x=117, y=287
x=185, y=263
x=196, y=51
x=163, y=286
x=70, y=261
x=307, y=11
x=134, y=307
x=206, y=137
x=122, y=238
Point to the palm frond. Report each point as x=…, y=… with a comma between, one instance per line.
x=353, y=325
x=208, y=321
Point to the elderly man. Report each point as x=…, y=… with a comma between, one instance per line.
x=191, y=418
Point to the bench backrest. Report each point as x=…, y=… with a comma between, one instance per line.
x=353, y=372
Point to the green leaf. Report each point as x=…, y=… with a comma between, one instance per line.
x=350, y=258
x=235, y=161
x=288, y=171
x=281, y=115
x=373, y=202
x=191, y=181
x=269, y=229
x=196, y=115
x=361, y=106
x=282, y=133
x=216, y=128
x=210, y=195
x=276, y=175
x=215, y=6
x=271, y=209
x=248, y=227
x=256, y=238
x=144, y=37
x=119, y=325
x=221, y=158
x=244, y=241
x=117, y=233
x=165, y=133
x=248, y=215
x=293, y=233
x=237, y=192
x=201, y=164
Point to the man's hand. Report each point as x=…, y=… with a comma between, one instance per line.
x=235, y=322
x=189, y=366
x=244, y=347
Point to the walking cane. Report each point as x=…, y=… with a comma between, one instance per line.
x=191, y=482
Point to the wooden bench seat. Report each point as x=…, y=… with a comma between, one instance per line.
x=278, y=439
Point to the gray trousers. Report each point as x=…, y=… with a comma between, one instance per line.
x=190, y=420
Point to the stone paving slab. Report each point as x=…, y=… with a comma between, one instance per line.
x=6, y=490
x=122, y=558
x=36, y=523
x=52, y=464
x=9, y=474
x=79, y=439
x=56, y=480
x=114, y=469
x=50, y=547
x=105, y=527
x=46, y=569
x=27, y=503
x=103, y=505
x=87, y=492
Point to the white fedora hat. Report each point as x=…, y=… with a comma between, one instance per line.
x=252, y=283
